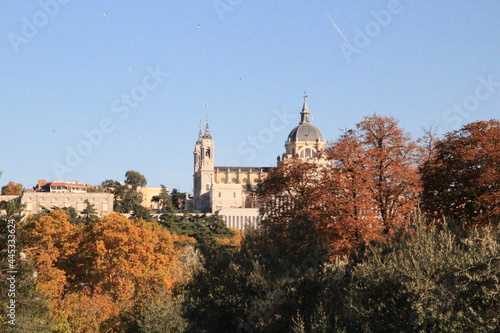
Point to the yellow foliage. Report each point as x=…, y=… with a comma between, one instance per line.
x=52, y=233
x=51, y=281
x=82, y=312
x=127, y=254
x=118, y=262
x=183, y=239
x=235, y=240
x=52, y=241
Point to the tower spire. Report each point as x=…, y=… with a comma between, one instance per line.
x=200, y=135
x=304, y=114
x=207, y=130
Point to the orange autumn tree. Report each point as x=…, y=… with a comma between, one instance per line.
x=462, y=178
x=390, y=158
x=84, y=311
x=292, y=195
x=128, y=257
x=51, y=242
x=365, y=191
x=353, y=220
x=95, y=274
x=12, y=189
x=375, y=169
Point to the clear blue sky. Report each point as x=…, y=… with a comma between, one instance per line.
x=68, y=69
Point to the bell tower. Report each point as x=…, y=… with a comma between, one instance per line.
x=203, y=177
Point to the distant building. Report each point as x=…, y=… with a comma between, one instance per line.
x=60, y=187
x=147, y=195
x=62, y=194
x=230, y=191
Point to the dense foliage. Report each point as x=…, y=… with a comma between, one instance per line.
x=431, y=280
x=205, y=229
x=365, y=192
x=84, y=273
x=126, y=197
x=110, y=266
x=462, y=177
x=343, y=248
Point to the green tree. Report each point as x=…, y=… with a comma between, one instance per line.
x=126, y=197
x=89, y=212
x=426, y=279
x=256, y=289
x=73, y=216
x=438, y=280
x=178, y=199
x=163, y=314
x=205, y=229
x=164, y=200
x=141, y=212
x=32, y=308
x=13, y=209
x=135, y=179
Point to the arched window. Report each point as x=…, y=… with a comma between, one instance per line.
x=307, y=153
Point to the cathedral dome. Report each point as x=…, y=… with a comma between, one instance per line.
x=305, y=131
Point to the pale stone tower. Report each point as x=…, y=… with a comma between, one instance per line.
x=203, y=177
x=305, y=140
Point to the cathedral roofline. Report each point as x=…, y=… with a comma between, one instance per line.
x=241, y=169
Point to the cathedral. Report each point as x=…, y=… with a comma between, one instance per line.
x=230, y=191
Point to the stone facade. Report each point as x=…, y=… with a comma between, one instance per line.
x=218, y=187
x=62, y=194
x=230, y=191
x=103, y=202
